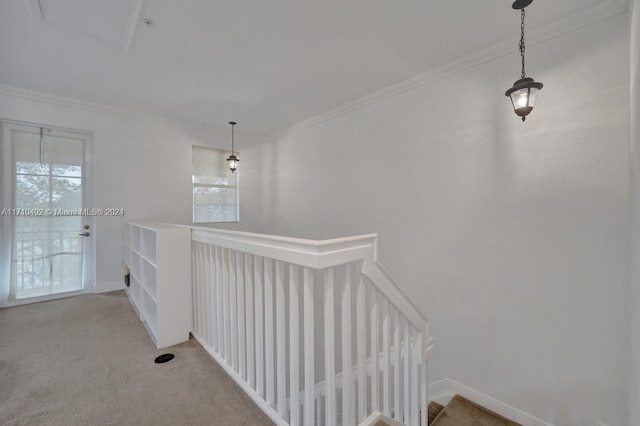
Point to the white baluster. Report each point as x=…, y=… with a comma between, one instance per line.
x=225, y=304
x=424, y=401
x=397, y=367
x=375, y=353
x=268, y=331
x=281, y=341
x=361, y=318
x=206, y=267
x=195, y=287
x=219, y=301
x=406, y=370
x=212, y=300
x=242, y=355
x=386, y=359
x=329, y=348
x=347, y=377
x=294, y=356
x=258, y=284
x=309, y=349
x=233, y=308
x=201, y=306
x=248, y=290
x=415, y=417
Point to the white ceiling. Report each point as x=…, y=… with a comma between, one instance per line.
x=267, y=64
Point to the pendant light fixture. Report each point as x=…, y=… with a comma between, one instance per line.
x=233, y=160
x=524, y=91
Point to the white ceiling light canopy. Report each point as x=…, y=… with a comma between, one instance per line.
x=116, y=24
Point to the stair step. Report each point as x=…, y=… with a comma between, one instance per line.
x=462, y=412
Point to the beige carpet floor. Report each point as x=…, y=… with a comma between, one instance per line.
x=88, y=360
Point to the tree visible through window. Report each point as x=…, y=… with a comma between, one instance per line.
x=215, y=188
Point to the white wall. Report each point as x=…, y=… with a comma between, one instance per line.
x=634, y=294
x=141, y=166
x=510, y=236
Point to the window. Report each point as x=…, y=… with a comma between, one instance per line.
x=215, y=188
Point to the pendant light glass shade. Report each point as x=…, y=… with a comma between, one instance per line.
x=523, y=96
x=233, y=160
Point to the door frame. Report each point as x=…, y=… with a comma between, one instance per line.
x=7, y=202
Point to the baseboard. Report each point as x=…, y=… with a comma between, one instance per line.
x=442, y=391
x=108, y=286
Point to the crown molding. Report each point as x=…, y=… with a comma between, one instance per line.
x=598, y=12
x=31, y=95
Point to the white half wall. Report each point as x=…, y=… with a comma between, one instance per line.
x=141, y=166
x=511, y=237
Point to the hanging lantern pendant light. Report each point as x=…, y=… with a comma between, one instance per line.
x=233, y=160
x=524, y=91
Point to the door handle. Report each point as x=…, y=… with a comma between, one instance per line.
x=85, y=234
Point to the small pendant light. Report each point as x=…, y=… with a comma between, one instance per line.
x=524, y=91
x=233, y=160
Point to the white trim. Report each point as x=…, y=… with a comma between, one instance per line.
x=377, y=416
x=108, y=286
x=598, y=12
x=47, y=298
x=442, y=391
x=31, y=95
x=132, y=23
x=129, y=31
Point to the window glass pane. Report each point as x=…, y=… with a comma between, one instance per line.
x=32, y=192
x=66, y=193
x=23, y=167
x=69, y=170
x=215, y=187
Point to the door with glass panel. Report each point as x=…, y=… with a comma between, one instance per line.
x=46, y=230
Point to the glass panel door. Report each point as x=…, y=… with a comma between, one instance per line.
x=49, y=230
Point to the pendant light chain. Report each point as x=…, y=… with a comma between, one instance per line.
x=522, y=47
x=233, y=126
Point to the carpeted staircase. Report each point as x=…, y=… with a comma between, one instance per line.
x=462, y=412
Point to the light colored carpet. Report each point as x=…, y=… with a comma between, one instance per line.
x=88, y=360
x=462, y=412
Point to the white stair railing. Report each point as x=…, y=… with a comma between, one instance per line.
x=315, y=332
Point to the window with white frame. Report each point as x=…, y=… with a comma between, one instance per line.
x=215, y=188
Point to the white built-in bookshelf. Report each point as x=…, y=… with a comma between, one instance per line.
x=159, y=259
